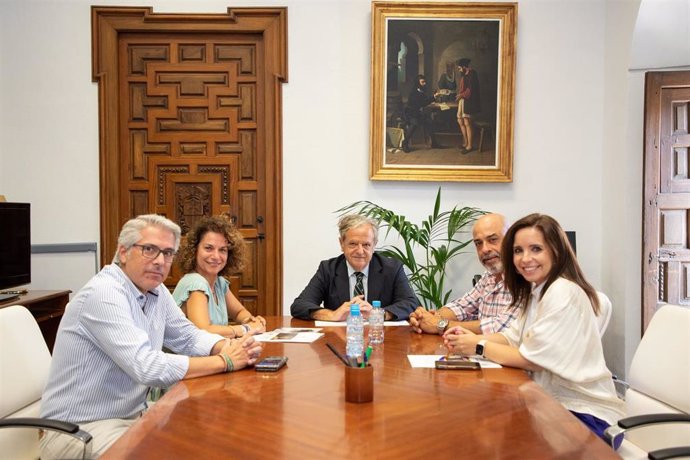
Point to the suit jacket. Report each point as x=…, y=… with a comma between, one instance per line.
x=386, y=282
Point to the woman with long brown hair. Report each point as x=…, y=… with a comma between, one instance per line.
x=556, y=337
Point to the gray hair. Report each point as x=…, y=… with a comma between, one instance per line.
x=131, y=231
x=355, y=220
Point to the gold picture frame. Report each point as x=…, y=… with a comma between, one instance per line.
x=453, y=137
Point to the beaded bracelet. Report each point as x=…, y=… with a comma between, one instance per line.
x=229, y=366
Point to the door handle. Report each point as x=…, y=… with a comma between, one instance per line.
x=261, y=235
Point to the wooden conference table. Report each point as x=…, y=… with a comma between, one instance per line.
x=300, y=411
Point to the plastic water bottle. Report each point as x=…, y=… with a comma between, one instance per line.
x=376, y=319
x=355, y=333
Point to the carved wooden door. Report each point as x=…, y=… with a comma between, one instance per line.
x=190, y=127
x=666, y=264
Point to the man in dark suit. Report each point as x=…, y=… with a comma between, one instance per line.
x=417, y=115
x=340, y=281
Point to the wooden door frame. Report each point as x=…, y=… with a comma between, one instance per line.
x=654, y=83
x=271, y=23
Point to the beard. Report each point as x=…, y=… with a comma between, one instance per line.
x=492, y=262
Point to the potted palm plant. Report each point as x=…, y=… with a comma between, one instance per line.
x=438, y=238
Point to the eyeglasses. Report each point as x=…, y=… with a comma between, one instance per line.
x=151, y=252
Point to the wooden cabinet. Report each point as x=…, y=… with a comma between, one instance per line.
x=47, y=307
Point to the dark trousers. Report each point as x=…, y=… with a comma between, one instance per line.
x=422, y=120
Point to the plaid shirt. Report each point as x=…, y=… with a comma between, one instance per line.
x=489, y=302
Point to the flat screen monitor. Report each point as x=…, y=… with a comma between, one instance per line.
x=15, y=244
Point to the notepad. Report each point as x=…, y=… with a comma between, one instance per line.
x=290, y=334
x=429, y=361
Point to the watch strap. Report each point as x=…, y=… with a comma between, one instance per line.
x=481, y=348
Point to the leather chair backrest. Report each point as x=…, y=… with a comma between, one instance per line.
x=24, y=366
x=659, y=378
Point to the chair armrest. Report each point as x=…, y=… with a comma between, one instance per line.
x=672, y=452
x=613, y=432
x=52, y=425
x=650, y=419
x=43, y=423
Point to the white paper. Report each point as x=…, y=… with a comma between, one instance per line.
x=402, y=322
x=429, y=361
x=485, y=363
x=299, y=329
x=343, y=323
x=290, y=334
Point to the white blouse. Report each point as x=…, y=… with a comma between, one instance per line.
x=559, y=333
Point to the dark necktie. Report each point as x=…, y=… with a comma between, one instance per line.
x=359, y=285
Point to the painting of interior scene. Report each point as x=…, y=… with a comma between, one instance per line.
x=442, y=92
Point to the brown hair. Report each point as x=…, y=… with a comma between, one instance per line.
x=564, y=261
x=217, y=224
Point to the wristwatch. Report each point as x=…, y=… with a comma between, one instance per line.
x=479, y=350
x=441, y=326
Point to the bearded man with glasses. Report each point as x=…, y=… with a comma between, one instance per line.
x=109, y=346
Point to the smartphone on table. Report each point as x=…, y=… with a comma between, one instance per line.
x=456, y=362
x=271, y=364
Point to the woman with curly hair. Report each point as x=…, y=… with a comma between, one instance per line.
x=210, y=251
x=556, y=337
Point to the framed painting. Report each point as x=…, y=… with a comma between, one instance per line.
x=443, y=84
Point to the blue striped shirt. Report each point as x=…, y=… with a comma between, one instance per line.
x=108, y=349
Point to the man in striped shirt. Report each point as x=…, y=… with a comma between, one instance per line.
x=486, y=308
x=108, y=350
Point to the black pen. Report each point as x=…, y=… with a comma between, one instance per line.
x=335, y=352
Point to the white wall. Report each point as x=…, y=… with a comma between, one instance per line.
x=661, y=39
x=621, y=202
x=661, y=42
x=566, y=164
